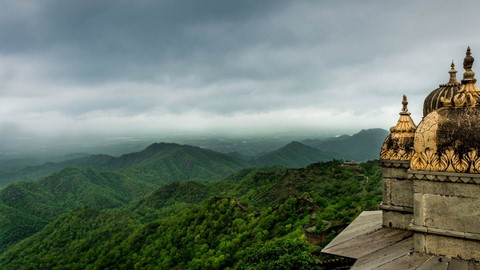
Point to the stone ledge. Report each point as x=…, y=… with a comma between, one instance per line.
x=465, y=178
x=443, y=232
x=395, y=208
x=395, y=163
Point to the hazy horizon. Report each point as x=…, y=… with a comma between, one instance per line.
x=48, y=148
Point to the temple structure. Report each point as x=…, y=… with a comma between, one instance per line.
x=430, y=212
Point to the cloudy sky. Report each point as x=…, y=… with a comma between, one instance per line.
x=127, y=68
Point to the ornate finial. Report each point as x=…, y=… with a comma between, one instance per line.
x=404, y=103
x=468, y=75
x=453, y=74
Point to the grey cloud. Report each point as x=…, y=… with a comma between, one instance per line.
x=75, y=59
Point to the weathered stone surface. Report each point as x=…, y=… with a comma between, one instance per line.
x=447, y=188
x=419, y=242
x=451, y=213
x=418, y=209
x=394, y=173
x=452, y=247
x=384, y=256
x=387, y=191
x=402, y=192
x=436, y=263
x=397, y=192
x=366, y=222
x=457, y=264
x=399, y=220
x=406, y=262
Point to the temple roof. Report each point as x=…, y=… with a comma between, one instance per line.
x=399, y=144
x=447, y=140
x=434, y=100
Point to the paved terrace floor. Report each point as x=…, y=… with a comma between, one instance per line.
x=375, y=247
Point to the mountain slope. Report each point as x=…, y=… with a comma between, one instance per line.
x=27, y=207
x=158, y=163
x=364, y=145
x=131, y=176
x=295, y=155
x=215, y=235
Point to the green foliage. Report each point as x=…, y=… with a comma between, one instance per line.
x=131, y=176
x=215, y=235
x=253, y=219
x=27, y=207
x=278, y=254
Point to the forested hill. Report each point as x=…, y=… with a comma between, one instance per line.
x=253, y=219
x=362, y=146
x=158, y=163
x=295, y=155
x=26, y=207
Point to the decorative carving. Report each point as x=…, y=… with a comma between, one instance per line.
x=399, y=144
x=468, y=95
x=395, y=154
x=444, y=177
x=447, y=161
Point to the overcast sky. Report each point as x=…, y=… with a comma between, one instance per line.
x=125, y=68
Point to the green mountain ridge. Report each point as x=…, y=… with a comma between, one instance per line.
x=362, y=146
x=295, y=155
x=158, y=163
x=179, y=160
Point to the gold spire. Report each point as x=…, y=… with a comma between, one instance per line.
x=453, y=74
x=468, y=75
x=404, y=109
x=399, y=144
x=468, y=95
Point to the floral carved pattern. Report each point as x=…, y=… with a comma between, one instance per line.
x=391, y=154
x=447, y=161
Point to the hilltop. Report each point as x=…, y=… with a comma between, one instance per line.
x=159, y=163
x=362, y=146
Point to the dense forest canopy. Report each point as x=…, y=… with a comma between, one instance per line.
x=256, y=218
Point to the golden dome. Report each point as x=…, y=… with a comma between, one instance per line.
x=434, y=100
x=447, y=140
x=399, y=144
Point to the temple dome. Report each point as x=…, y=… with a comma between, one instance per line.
x=447, y=139
x=434, y=100
x=399, y=144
